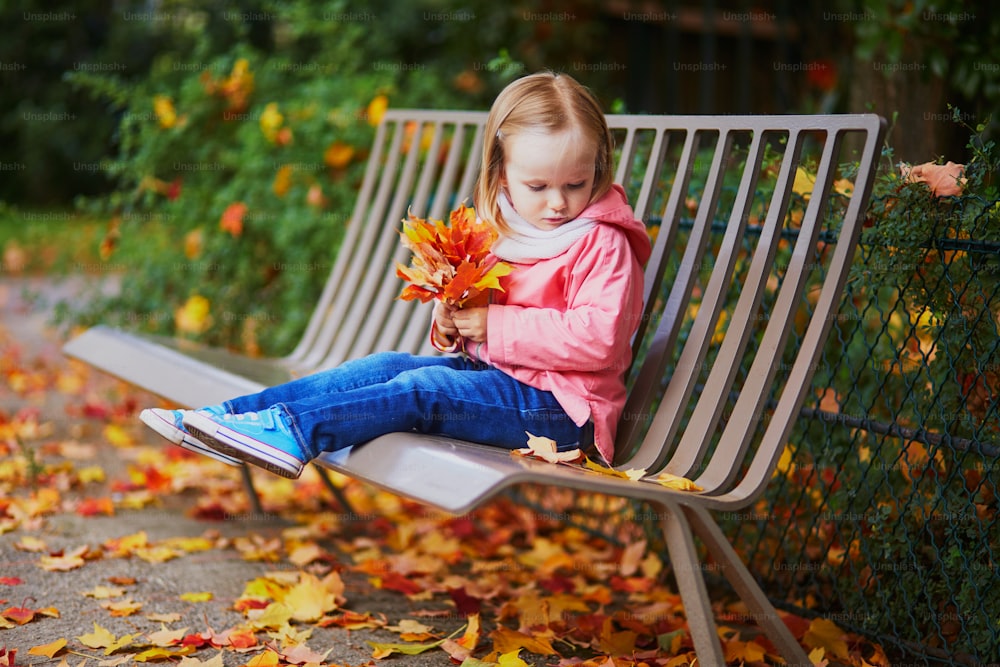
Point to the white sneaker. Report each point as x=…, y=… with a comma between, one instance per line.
x=170, y=424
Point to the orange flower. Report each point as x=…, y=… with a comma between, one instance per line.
x=944, y=180
x=193, y=243
x=235, y=88
x=232, y=218
x=282, y=180
x=338, y=155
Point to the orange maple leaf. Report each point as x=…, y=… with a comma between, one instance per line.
x=48, y=650
x=450, y=262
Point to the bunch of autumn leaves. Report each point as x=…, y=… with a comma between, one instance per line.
x=451, y=263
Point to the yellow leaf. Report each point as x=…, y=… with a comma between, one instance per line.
x=632, y=473
x=743, y=652
x=507, y=642
x=512, y=659
x=804, y=182
x=275, y=615
x=491, y=279
x=161, y=653
x=90, y=474
x=122, y=608
x=816, y=657
x=384, y=650
x=64, y=563
x=117, y=435
x=164, y=618
x=157, y=554
x=104, y=592
x=825, y=634
x=408, y=626
x=785, y=465
x=48, y=650
x=102, y=638
x=471, y=636
x=31, y=544
x=309, y=599
x=165, y=637
x=675, y=482
x=189, y=544
x=195, y=662
x=304, y=554
x=266, y=659
x=204, y=596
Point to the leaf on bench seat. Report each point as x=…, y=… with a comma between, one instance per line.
x=663, y=479
x=634, y=474
x=540, y=447
x=675, y=482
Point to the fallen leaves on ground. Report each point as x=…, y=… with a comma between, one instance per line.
x=506, y=586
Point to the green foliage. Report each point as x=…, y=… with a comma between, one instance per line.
x=251, y=161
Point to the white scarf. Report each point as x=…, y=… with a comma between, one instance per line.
x=528, y=243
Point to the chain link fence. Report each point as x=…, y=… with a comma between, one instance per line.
x=884, y=514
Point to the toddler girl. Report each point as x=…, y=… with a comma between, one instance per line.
x=548, y=355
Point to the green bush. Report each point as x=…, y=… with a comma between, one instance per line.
x=249, y=160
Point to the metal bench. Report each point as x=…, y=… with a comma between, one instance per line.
x=740, y=295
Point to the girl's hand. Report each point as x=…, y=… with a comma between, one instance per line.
x=471, y=323
x=443, y=320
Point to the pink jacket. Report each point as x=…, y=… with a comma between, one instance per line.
x=565, y=324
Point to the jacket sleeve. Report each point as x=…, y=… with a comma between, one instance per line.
x=589, y=334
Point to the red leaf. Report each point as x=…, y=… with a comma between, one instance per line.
x=19, y=615
x=465, y=603
x=10, y=581
x=397, y=582
x=95, y=506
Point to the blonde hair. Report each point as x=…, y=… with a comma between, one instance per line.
x=544, y=101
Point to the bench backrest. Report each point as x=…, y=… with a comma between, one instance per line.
x=754, y=230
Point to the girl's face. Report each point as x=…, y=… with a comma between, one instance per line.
x=549, y=177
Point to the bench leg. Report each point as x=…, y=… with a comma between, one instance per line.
x=251, y=492
x=254, y=497
x=691, y=585
x=335, y=490
x=761, y=610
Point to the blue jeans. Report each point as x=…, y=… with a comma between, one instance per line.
x=392, y=391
